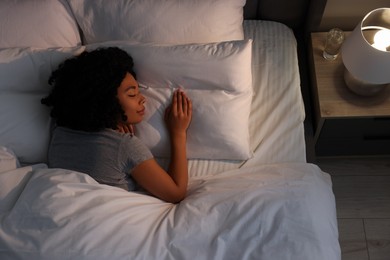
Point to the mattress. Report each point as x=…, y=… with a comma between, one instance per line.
x=277, y=111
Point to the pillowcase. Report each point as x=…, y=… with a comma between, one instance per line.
x=168, y=21
x=25, y=126
x=29, y=69
x=8, y=159
x=217, y=78
x=37, y=23
x=218, y=130
x=25, y=123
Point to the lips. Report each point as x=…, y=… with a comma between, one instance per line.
x=141, y=112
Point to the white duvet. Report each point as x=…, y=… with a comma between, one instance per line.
x=281, y=211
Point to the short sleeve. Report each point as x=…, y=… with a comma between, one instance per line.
x=132, y=152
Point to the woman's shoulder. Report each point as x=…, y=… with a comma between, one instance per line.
x=107, y=135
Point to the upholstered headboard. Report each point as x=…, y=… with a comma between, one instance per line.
x=302, y=15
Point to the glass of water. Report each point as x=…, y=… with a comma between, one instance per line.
x=334, y=40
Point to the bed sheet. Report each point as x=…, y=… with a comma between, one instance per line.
x=284, y=211
x=277, y=110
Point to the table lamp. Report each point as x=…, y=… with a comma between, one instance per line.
x=366, y=54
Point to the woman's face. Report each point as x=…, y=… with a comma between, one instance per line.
x=131, y=100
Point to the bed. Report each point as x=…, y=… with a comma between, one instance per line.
x=251, y=193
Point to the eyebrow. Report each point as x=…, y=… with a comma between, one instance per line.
x=130, y=87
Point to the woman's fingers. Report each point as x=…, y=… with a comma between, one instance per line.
x=189, y=107
x=181, y=105
x=185, y=103
x=181, y=102
x=131, y=130
x=178, y=115
x=126, y=128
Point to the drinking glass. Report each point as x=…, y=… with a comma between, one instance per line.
x=333, y=42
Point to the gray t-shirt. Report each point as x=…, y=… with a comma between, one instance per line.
x=107, y=156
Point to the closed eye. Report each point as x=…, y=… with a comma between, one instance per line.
x=132, y=91
x=133, y=94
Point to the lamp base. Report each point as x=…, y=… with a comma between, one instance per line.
x=360, y=87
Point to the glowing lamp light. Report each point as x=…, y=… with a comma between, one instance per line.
x=366, y=54
x=382, y=40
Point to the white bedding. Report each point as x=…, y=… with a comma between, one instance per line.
x=277, y=110
x=283, y=211
x=273, y=206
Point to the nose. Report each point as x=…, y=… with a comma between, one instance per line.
x=142, y=99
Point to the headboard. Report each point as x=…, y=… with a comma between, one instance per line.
x=302, y=15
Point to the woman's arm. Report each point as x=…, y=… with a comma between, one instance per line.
x=171, y=186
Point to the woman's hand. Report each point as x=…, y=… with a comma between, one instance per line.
x=170, y=186
x=126, y=128
x=179, y=114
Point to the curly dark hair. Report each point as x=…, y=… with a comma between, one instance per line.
x=84, y=93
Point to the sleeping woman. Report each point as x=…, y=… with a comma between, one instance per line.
x=96, y=102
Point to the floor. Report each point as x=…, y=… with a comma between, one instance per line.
x=362, y=190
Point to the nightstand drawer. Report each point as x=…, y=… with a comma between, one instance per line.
x=365, y=136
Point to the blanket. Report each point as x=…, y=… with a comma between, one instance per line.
x=279, y=211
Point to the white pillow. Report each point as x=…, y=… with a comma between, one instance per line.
x=168, y=21
x=25, y=123
x=8, y=160
x=220, y=68
x=218, y=79
x=218, y=130
x=37, y=23
x=25, y=126
x=28, y=69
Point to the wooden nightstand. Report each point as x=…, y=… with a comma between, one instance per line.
x=345, y=123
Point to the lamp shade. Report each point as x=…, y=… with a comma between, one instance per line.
x=360, y=52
